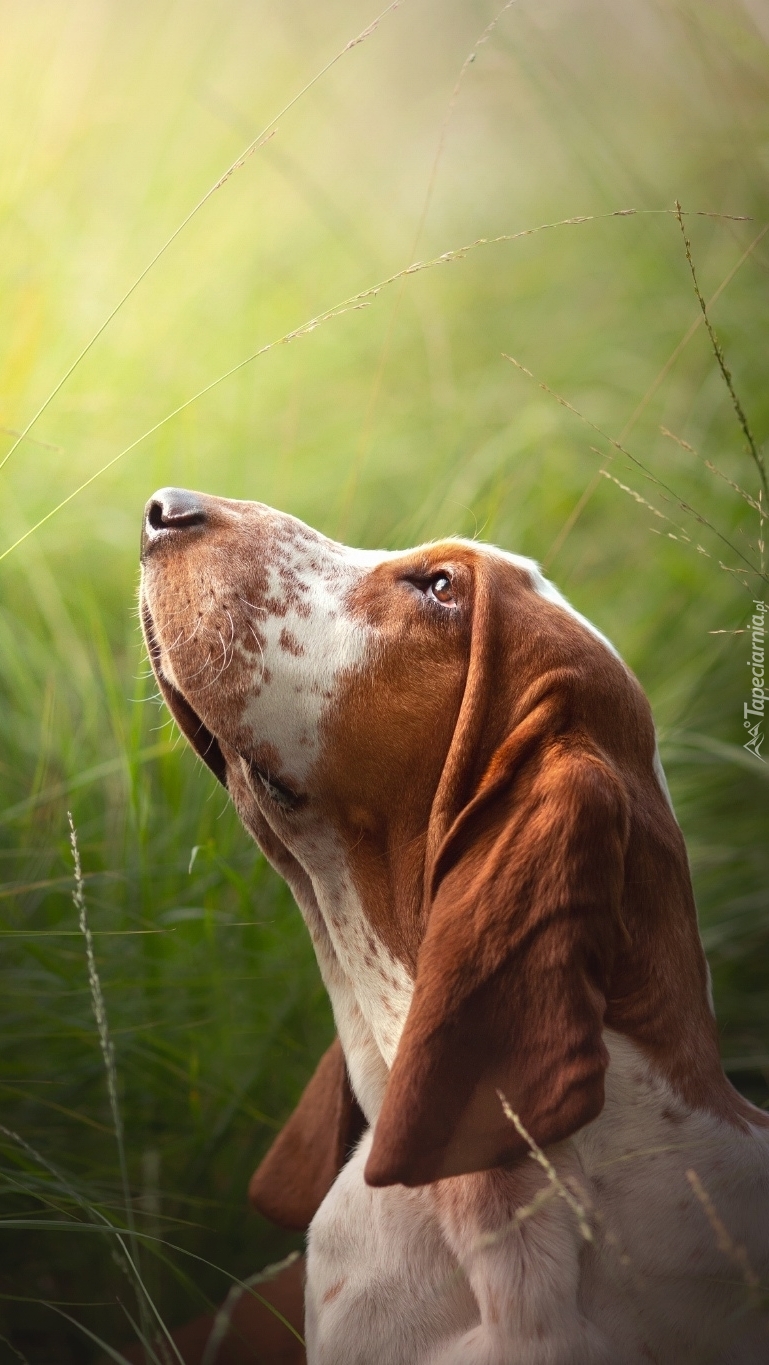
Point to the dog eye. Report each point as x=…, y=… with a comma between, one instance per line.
x=277, y=791
x=440, y=588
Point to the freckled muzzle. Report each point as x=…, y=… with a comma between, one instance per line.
x=245, y=623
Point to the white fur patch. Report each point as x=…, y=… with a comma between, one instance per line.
x=370, y=990
x=652, y=1284
x=308, y=645
x=383, y=1287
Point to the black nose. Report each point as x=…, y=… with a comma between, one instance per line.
x=172, y=509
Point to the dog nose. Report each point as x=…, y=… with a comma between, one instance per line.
x=172, y=509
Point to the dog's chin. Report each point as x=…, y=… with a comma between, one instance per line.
x=205, y=744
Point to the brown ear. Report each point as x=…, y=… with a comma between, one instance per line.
x=513, y=969
x=303, y=1162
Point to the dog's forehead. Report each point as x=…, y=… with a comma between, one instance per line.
x=299, y=549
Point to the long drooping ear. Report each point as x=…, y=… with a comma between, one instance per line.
x=512, y=973
x=303, y=1162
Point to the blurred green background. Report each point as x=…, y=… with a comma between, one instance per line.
x=388, y=425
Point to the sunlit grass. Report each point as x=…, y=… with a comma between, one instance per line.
x=388, y=424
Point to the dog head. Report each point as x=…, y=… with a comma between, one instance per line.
x=446, y=762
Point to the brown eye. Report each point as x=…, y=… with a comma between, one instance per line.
x=441, y=589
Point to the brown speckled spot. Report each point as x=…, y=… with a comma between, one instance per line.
x=276, y=607
x=290, y=643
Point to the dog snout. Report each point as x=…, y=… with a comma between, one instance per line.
x=171, y=510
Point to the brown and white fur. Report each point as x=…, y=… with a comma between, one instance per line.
x=458, y=778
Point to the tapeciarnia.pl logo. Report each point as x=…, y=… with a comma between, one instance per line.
x=753, y=711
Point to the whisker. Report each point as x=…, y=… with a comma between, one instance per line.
x=258, y=644
x=202, y=668
x=262, y=610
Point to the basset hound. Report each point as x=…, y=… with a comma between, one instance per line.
x=522, y=1149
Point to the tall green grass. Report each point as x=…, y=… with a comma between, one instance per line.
x=386, y=425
